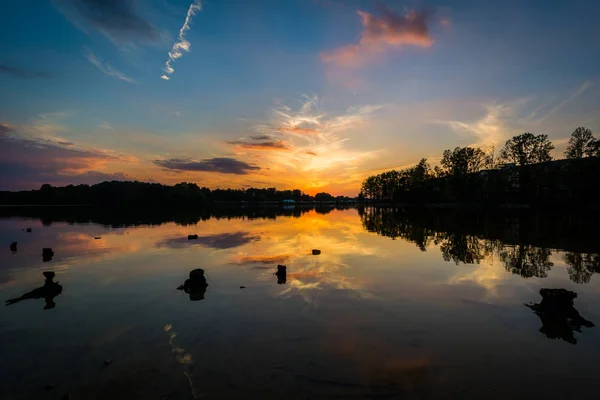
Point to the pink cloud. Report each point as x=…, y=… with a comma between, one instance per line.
x=380, y=34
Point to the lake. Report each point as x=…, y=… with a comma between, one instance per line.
x=398, y=304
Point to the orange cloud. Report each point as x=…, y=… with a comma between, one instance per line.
x=298, y=130
x=379, y=34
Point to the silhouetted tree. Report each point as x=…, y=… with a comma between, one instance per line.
x=582, y=144
x=462, y=161
x=324, y=197
x=526, y=149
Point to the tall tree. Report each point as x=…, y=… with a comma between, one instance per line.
x=463, y=161
x=527, y=148
x=582, y=144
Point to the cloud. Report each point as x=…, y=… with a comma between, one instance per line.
x=299, y=130
x=317, y=156
x=28, y=162
x=260, y=137
x=181, y=45
x=23, y=73
x=5, y=130
x=221, y=165
x=274, y=259
x=106, y=67
x=222, y=241
x=263, y=145
x=119, y=20
x=380, y=34
x=500, y=121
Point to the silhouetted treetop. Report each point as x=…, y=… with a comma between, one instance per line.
x=582, y=144
x=526, y=149
x=463, y=160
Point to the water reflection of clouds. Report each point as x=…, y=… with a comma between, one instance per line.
x=221, y=241
x=290, y=241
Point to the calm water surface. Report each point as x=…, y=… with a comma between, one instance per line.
x=391, y=308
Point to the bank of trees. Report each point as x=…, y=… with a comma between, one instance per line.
x=458, y=168
x=117, y=193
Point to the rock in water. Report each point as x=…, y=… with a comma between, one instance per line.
x=191, y=237
x=196, y=285
x=47, y=254
x=28, y=230
x=49, y=275
x=281, y=274
x=13, y=247
x=558, y=315
x=316, y=252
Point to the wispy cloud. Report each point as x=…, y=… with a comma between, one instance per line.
x=316, y=153
x=119, y=20
x=222, y=165
x=106, y=125
x=182, y=44
x=378, y=35
x=106, y=67
x=23, y=73
x=502, y=120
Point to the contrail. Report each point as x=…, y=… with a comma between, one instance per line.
x=181, y=44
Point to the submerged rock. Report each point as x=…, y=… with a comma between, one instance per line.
x=47, y=254
x=558, y=314
x=316, y=252
x=47, y=292
x=196, y=285
x=281, y=274
x=13, y=247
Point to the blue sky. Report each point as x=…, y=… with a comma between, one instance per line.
x=298, y=93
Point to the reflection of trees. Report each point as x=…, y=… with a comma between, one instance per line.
x=582, y=266
x=527, y=261
x=470, y=237
x=394, y=225
x=459, y=248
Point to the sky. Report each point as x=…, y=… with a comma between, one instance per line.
x=308, y=94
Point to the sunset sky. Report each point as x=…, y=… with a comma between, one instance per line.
x=309, y=94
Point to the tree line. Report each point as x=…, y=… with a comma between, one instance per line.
x=118, y=193
x=458, y=167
